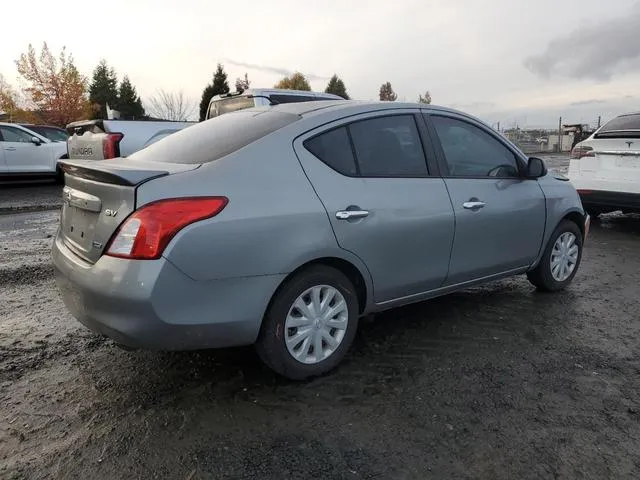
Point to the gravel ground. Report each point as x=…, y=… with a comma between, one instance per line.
x=495, y=382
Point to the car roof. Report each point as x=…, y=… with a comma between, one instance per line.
x=306, y=108
x=283, y=91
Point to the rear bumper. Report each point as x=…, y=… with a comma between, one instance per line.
x=153, y=305
x=607, y=201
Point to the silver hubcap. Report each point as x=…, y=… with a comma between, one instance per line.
x=316, y=324
x=564, y=257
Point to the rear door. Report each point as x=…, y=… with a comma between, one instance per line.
x=21, y=154
x=383, y=197
x=500, y=215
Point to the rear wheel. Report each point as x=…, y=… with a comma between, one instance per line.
x=310, y=324
x=560, y=260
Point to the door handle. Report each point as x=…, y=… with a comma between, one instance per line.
x=349, y=214
x=473, y=205
x=10, y=149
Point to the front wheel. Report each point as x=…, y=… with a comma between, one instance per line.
x=310, y=324
x=560, y=260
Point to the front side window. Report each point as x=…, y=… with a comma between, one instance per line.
x=472, y=152
x=10, y=134
x=388, y=146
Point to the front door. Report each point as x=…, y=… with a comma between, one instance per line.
x=21, y=154
x=500, y=215
x=372, y=176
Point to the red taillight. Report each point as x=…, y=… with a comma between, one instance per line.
x=146, y=232
x=111, y=145
x=580, y=151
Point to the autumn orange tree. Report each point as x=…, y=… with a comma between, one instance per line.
x=54, y=87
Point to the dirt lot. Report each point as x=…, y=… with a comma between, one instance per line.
x=495, y=382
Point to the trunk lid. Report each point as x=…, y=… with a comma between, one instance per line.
x=98, y=197
x=615, y=159
x=87, y=140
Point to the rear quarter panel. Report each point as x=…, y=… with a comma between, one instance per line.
x=273, y=223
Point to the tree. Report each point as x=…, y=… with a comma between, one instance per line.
x=54, y=86
x=426, y=99
x=171, y=106
x=8, y=97
x=336, y=86
x=297, y=81
x=129, y=104
x=387, y=94
x=242, y=84
x=219, y=86
x=103, y=90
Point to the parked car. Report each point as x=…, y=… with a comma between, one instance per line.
x=282, y=225
x=105, y=139
x=605, y=168
x=257, y=97
x=26, y=152
x=55, y=134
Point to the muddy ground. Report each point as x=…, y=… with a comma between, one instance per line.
x=495, y=382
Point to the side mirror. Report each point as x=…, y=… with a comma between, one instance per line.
x=536, y=168
x=36, y=141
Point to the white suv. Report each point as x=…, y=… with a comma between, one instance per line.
x=25, y=152
x=605, y=168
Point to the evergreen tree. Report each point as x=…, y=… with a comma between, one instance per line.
x=129, y=104
x=386, y=93
x=242, y=84
x=219, y=86
x=336, y=86
x=426, y=99
x=103, y=90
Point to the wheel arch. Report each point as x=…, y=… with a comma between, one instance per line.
x=360, y=279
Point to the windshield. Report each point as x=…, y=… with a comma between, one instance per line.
x=228, y=105
x=624, y=122
x=51, y=133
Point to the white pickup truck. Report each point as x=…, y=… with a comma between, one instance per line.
x=104, y=139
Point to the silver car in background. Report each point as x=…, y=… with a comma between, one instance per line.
x=280, y=226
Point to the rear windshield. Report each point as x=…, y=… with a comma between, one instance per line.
x=228, y=105
x=625, y=122
x=208, y=141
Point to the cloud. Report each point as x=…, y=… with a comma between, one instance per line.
x=277, y=70
x=595, y=51
x=582, y=103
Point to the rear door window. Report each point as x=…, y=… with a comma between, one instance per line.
x=389, y=147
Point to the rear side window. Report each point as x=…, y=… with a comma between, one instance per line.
x=208, y=141
x=388, y=146
x=334, y=149
x=283, y=98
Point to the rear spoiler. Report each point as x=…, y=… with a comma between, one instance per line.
x=105, y=172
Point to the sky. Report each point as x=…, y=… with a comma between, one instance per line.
x=516, y=62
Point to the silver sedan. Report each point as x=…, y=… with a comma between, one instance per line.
x=281, y=226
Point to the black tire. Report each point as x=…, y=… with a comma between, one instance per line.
x=271, y=346
x=541, y=276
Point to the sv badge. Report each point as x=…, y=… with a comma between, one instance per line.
x=110, y=213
